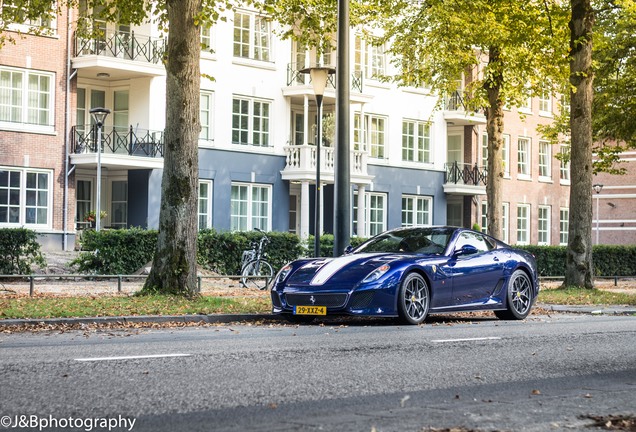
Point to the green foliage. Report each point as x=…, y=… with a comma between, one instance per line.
x=609, y=260
x=19, y=249
x=222, y=251
x=115, y=251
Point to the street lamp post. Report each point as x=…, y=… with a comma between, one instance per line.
x=99, y=116
x=597, y=188
x=319, y=76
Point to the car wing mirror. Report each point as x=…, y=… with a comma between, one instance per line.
x=466, y=250
x=348, y=250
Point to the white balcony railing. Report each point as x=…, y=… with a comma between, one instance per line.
x=301, y=164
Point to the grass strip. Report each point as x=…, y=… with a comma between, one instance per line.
x=67, y=307
x=582, y=296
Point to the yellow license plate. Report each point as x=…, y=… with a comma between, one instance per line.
x=310, y=310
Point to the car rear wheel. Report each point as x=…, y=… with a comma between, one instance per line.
x=413, y=299
x=519, y=298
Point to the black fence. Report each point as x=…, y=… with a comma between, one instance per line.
x=131, y=141
x=465, y=174
x=125, y=45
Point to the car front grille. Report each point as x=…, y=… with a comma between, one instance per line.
x=329, y=300
x=362, y=300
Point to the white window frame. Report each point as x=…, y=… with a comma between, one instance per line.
x=381, y=225
x=505, y=218
x=564, y=225
x=207, y=41
x=523, y=224
x=22, y=205
x=417, y=140
x=110, y=218
x=545, y=104
x=416, y=215
x=25, y=95
x=524, y=158
x=251, y=132
x=36, y=26
x=564, y=167
x=249, y=223
x=543, y=225
x=206, y=136
x=484, y=216
x=204, y=205
x=505, y=155
x=369, y=59
x=545, y=160
x=259, y=44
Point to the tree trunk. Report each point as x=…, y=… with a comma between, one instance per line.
x=494, y=128
x=174, y=264
x=579, y=269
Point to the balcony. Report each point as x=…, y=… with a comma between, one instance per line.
x=119, y=55
x=465, y=179
x=456, y=113
x=299, y=84
x=300, y=164
x=131, y=148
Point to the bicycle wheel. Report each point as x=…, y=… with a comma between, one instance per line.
x=257, y=274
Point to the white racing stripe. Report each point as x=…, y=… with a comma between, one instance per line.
x=465, y=340
x=131, y=357
x=329, y=269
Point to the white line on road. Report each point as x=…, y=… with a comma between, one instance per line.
x=466, y=339
x=131, y=357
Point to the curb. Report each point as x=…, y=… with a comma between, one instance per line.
x=590, y=310
x=208, y=319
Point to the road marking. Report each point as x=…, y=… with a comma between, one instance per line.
x=131, y=357
x=466, y=339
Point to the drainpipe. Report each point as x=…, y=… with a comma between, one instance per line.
x=67, y=110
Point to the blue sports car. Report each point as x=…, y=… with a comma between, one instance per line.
x=409, y=273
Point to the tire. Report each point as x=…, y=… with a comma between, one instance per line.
x=257, y=268
x=414, y=299
x=518, y=298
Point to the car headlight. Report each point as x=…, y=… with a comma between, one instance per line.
x=282, y=274
x=376, y=274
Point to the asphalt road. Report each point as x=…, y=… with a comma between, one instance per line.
x=543, y=374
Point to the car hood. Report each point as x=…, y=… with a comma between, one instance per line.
x=348, y=269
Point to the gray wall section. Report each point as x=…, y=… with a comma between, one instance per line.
x=138, y=198
x=397, y=181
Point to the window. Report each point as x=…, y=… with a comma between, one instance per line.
x=505, y=155
x=26, y=98
x=416, y=210
x=564, y=167
x=545, y=103
x=119, y=204
x=369, y=58
x=250, y=121
x=523, y=157
x=545, y=158
x=205, y=114
x=252, y=36
x=376, y=127
x=543, y=228
x=83, y=202
x=25, y=197
x=206, y=39
x=523, y=224
x=205, y=204
x=484, y=217
x=484, y=150
x=505, y=217
x=416, y=141
x=375, y=220
x=18, y=20
x=377, y=214
x=564, y=226
x=250, y=207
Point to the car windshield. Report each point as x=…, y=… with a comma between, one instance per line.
x=409, y=240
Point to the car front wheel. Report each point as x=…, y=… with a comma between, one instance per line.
x=413, y=299
x=519, y=298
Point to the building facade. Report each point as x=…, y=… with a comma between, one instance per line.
x=415, y=159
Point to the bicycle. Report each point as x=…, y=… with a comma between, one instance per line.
x=256, y=272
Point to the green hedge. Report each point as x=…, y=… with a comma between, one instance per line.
x=115, y=251
x=19, y=249
x=608, y=260
x=222, y=251
x=326, y=244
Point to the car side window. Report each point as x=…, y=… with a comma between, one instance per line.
x=474, y=239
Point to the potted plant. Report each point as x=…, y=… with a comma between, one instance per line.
x=91, y=216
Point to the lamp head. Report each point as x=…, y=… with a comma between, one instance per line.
x=597, y=187
x=99, y=115
x=319, y=76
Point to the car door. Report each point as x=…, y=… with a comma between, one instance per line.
x=476, y=269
